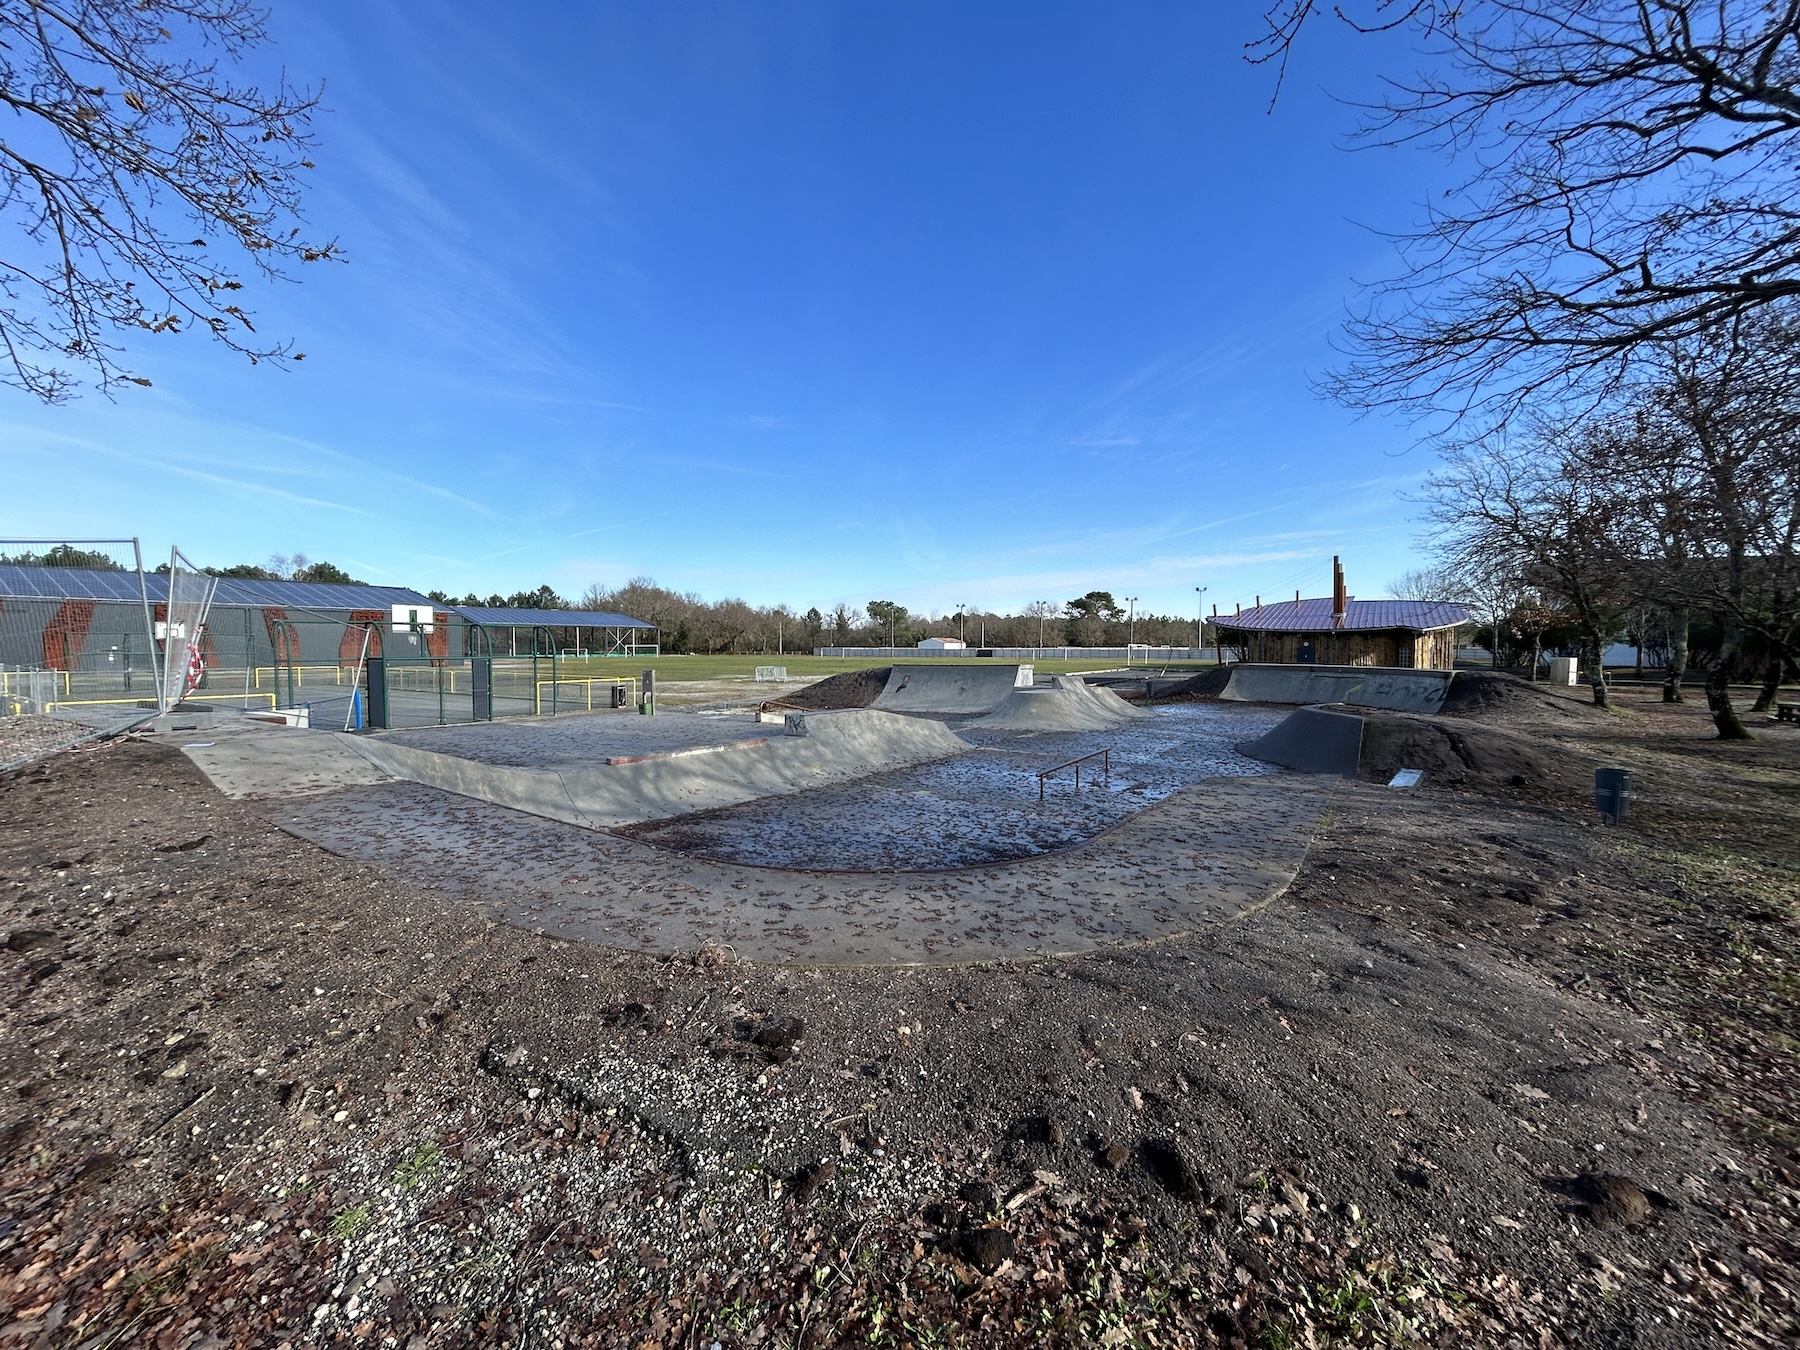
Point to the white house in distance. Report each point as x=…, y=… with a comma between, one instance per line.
x=944, y=644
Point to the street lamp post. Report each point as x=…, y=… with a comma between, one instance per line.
x=1199, y=616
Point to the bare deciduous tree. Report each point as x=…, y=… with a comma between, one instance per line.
x=1634, y=183
x=1544, y=510
x=1719, y=441
x=130, y=152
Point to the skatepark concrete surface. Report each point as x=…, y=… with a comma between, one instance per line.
x=247, y=758
x=1206, y=856
x=985, y=806
x=1312, y=740
x=1066, y=703
x=953, y=690
x=1420, y=691
x=961, y=861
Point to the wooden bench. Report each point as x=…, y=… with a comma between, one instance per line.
x=1787, y=712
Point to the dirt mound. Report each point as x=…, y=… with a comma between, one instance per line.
x=1206, y=685
x=852, y=689
x=1472, y=758
x=1495, y=696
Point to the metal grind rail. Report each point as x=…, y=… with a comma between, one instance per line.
x=1104, y=756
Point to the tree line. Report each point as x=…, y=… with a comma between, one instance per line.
x=687, y=623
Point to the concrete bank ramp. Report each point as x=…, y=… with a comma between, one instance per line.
x=952, y=689
x=811, y=750
x=1420, y=691
x=1067, y=703
x=245, y=758
x=1312, y=740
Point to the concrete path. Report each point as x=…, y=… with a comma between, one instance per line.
x=245, y=758
x=1204, y=857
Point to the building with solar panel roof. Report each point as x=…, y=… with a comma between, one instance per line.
x=266, y=644
x=1337, y=630
x=90, y=624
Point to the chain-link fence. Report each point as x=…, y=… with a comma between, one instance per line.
x=89, y=641
x=182, y=633
x=78, y=658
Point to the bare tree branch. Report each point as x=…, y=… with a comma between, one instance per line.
x=1635, y=186
x=128, y=155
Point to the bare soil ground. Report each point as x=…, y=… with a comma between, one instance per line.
x=851, y=689
x=1488, y=1074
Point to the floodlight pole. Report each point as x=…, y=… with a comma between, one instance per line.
x=1199, y=616
x=1131, y=631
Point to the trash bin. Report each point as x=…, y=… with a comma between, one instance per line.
x=1612, y=793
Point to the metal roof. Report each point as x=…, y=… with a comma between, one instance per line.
x=82, y=583
x=490, y=617
x=1314, y=616
x=314, y=595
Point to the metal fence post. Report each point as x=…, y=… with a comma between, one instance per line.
x=378, y=692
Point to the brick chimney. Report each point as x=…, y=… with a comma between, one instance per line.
x=1340, y=603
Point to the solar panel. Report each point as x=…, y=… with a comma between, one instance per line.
x=73, y=583
x=80, y=583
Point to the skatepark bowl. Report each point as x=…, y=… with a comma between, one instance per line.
x=856, y=836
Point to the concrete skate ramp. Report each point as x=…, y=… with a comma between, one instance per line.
x=1312, y=740
x=950, y=688
x=1420, y=691
x=812, y=750
x=1065, y=704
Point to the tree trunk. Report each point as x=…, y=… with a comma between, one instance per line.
x=1678, y=656
x=1537, y=654
x=1771, y=685
x=1718, y=688
x=1597, y=670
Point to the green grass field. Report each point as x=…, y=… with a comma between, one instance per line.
x=677, y=668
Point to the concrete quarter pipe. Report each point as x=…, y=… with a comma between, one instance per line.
x=950, y=689
x=1419, y=691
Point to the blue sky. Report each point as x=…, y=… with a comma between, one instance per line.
x=805, y=302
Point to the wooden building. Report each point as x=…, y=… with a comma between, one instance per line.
x=1339, y=631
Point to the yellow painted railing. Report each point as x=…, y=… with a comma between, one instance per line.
x=7, y=677
x=119, y=702
x=422, y=680
x=280, y=672
x=537, y=702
